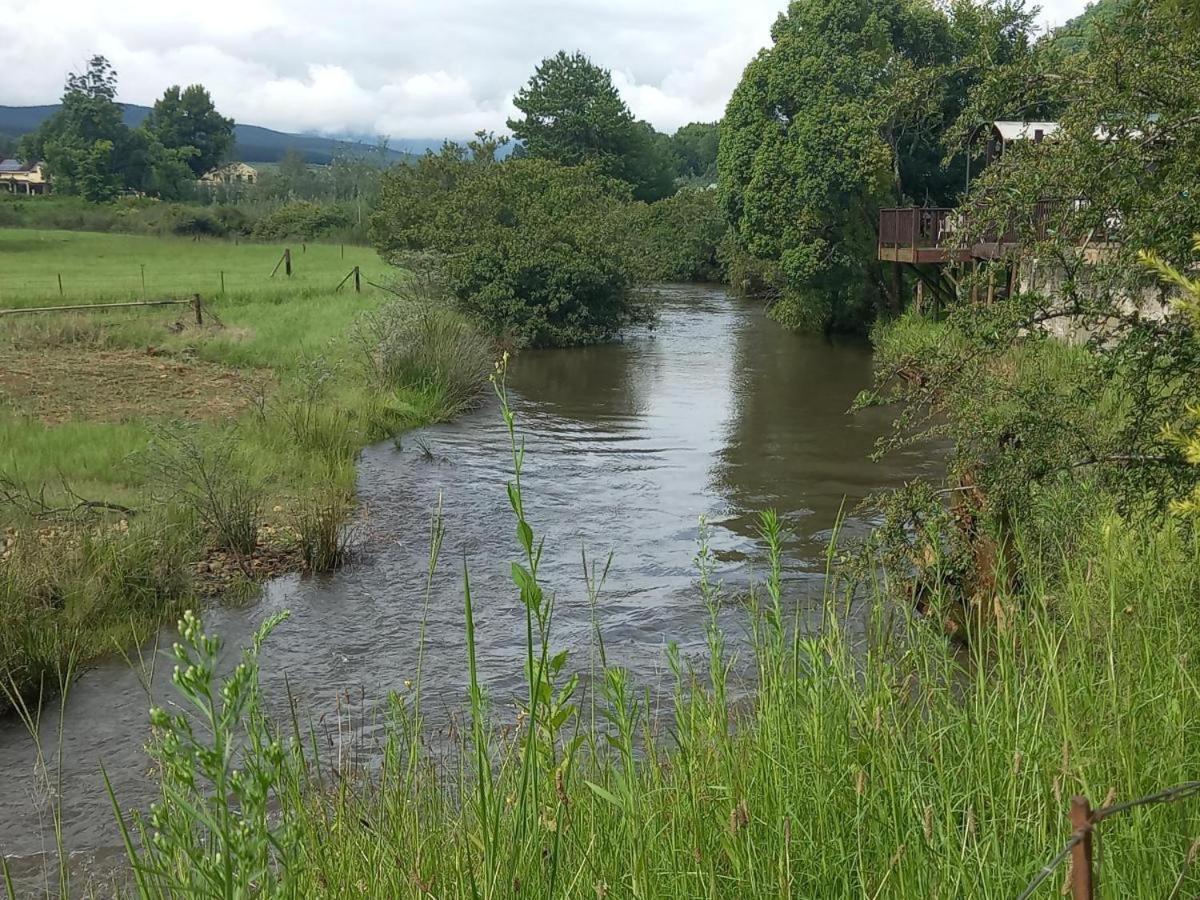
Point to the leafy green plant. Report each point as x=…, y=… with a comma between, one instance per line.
x=220, y=766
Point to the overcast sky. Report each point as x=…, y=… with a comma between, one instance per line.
x=437, y=68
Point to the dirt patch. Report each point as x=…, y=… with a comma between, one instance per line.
x=62, y=384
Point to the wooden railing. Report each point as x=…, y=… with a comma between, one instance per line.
x=918, y=234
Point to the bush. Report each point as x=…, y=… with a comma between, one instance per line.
x=420, y=340
x=302, y=220
x=206, y=478
x=324, y=539
x=70, y=590
x=533, y=249
x=677, y=239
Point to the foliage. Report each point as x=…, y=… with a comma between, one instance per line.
x=695, y=147
x=845, y=113
x=571, y=114
x=188, y=120
x=89, y=151
x=206, y=478
x=528, y=245
x=418, y=338
x=1186, y=437
x=219, y=766
x=301, y=220
x=872, y=758
x=677, y=239
x=73, y=589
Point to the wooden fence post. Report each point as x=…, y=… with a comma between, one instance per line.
x=1082, y=883
x=198, y=308
x=357, y=281
x=143, y=266
x=60, y=290
x=287, y=262
x=222, y=282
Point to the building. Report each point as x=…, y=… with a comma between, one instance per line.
x=17, y=177
x=230, y=175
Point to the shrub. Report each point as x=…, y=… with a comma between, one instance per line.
x=302, y=220
x=420, y=340
x=206, y=478
x=532, y=248
x=324, y=539
x=677, y=239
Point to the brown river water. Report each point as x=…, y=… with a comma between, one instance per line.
x=716, y=411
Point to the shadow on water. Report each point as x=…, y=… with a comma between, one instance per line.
x=715, y=412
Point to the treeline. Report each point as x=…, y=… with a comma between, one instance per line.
x=91, y=152
x=544, y=247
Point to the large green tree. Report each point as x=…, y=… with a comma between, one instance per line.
x=695, y=147
x=85, y=144
x=572, y=113
x=528, y=247
x=846, y=112
x=188, y=118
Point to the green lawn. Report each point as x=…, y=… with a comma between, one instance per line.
x=109, y=267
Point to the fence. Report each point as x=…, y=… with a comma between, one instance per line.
x=113, y=278
x=195, y=303
x=1084, y=822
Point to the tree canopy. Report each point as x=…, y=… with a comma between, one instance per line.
x=90, y=151
x=572, y=113
x=847, y=111
x=188, y=118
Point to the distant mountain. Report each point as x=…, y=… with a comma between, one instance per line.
x=252, y=143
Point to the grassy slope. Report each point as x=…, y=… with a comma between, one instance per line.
x=274, y=331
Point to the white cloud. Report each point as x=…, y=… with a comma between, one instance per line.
x=406, y=68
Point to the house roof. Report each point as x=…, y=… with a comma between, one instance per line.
x=1024, y=131
x=15, y=165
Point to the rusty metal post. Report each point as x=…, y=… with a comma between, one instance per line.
x=1082, y=882
x=287, y=262
x=198, y=308
x=357, y=281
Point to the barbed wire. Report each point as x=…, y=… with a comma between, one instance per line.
x=1168, y=795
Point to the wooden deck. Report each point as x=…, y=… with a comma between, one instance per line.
x=918, y=234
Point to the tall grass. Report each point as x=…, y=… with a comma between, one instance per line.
x=875, y=759
x=418, y=338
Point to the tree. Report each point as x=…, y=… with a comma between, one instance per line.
x=847, y=111
x=695, y=147
x=188, y=118
x=573, y=114
x=527, y=245
x=86, y=146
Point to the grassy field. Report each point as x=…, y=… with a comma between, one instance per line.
x=109, y=267
x=252, y=420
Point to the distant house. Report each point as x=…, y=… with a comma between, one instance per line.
x=234, y=173
x=17, y=177
x=1005, y=134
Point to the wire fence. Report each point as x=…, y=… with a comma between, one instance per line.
x=1085, y=821
x=292, y=271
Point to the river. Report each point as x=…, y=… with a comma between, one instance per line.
x=716, y=411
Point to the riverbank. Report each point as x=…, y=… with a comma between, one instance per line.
x=149, y=460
